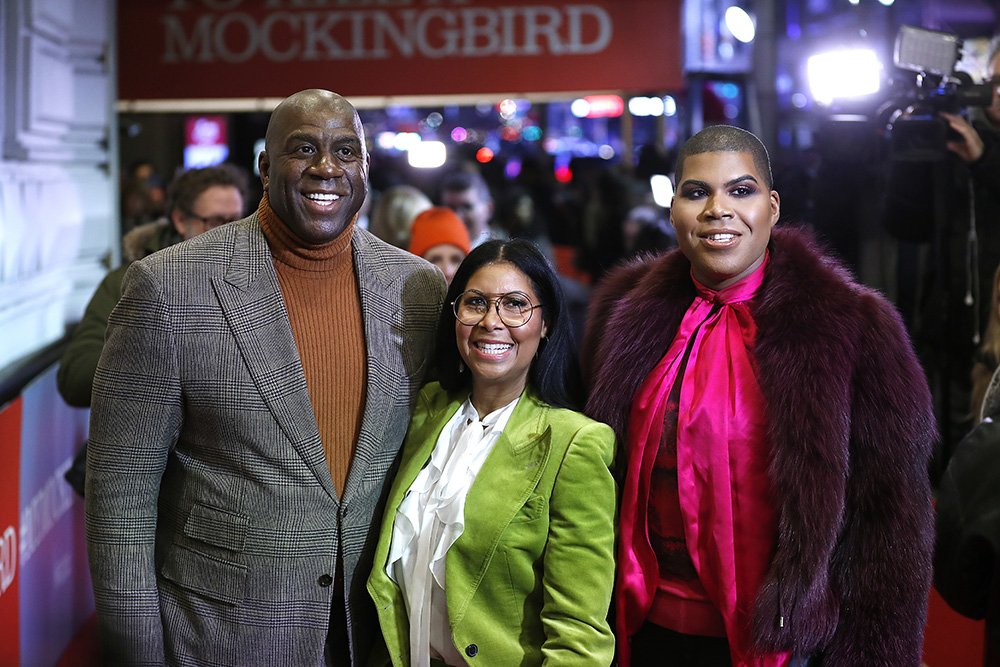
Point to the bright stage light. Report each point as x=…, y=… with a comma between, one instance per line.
x=740, y=24
x=843, y=74
x=598, y=106
x=405, y=141
x=669, y=106
x=646, y=106
x=427, y=155
x=663, y=189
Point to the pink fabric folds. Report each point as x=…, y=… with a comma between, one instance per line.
x=725, y=494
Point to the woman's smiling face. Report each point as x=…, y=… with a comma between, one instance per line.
x=499, y=357
x=723, y=214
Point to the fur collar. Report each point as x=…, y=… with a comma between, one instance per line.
x=637, y=309
x=826, y=396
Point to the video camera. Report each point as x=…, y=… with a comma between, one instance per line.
x=912, y=121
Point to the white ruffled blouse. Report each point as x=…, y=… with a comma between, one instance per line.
x=430, y=519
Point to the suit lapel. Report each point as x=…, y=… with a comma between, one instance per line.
x=505, y=482
x=252, y=304
x=381, y=319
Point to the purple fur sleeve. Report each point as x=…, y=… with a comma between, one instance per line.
x=883, y=559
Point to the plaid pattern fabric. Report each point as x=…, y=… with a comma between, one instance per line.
x=212, y=521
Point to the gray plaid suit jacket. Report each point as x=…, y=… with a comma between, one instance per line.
x=213, y=527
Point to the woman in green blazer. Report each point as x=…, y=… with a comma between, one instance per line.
x=497, y=546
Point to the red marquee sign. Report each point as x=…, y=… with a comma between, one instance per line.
x=211, y=49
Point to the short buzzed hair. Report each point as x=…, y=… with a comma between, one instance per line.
x=725, y=139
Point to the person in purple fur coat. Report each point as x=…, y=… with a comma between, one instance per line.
x=776, y=429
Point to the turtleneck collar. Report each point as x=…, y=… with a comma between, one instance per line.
x=289, y=250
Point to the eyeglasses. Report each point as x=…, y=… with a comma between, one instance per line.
x=513, y=308
x=210, y=222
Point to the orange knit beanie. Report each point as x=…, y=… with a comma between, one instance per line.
x=436, y=226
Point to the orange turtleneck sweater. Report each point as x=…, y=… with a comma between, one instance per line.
x=324, y=308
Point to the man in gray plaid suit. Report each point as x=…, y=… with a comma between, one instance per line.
x=254, y=389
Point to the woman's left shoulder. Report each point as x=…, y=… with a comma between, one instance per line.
x=573, y=425
x=579, y=445
x=567, y=418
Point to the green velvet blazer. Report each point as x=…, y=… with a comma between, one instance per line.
x=529, y=580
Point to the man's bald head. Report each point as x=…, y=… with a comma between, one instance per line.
x=305, y=101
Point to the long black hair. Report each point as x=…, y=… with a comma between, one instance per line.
x=555, y=373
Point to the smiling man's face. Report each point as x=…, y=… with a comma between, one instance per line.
x=315, y=165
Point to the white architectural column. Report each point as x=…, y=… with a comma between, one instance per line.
x=58, y=176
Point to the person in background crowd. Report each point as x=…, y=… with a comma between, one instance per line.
x=143, y=196
x=967, y=536
x=519, y=216
x=977, y=144
x=646, y=230
x=465, y=191
x=607, y=195
x=988, y=355
x=254, y=389
x=364, y=220
x=777, y=429
x=198, y=200
x=958, y=207
x=439, y=236
x=394, y=211
x=497, y=546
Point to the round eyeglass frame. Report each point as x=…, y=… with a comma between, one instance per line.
x=496, y=306
x=210, y=222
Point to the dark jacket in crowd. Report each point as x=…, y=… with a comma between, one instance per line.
x=79, y=361
x=967, y=552
x=950, y=287
x=985, y=173
x=850, y=429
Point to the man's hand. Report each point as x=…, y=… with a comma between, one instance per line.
x=970, y=146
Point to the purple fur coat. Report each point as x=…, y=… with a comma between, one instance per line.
x=850, y=430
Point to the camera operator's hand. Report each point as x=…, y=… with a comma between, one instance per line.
x=970, y=146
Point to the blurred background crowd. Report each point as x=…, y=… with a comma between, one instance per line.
x=555, y=121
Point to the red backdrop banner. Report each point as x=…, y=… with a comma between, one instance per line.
x=196, y=49
x=10, y=491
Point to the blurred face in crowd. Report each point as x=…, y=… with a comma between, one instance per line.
x=215, y=206
x=446, y=257
x=638, y=218
x=993, y=111
x=499, y=356
x=723, y=214
x=472, y=207
x=315, y=165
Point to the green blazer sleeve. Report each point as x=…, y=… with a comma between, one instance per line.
x=579, y=561
x=529, y=581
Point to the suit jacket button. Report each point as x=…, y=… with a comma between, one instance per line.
x=325, y=580
x=471, y=650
